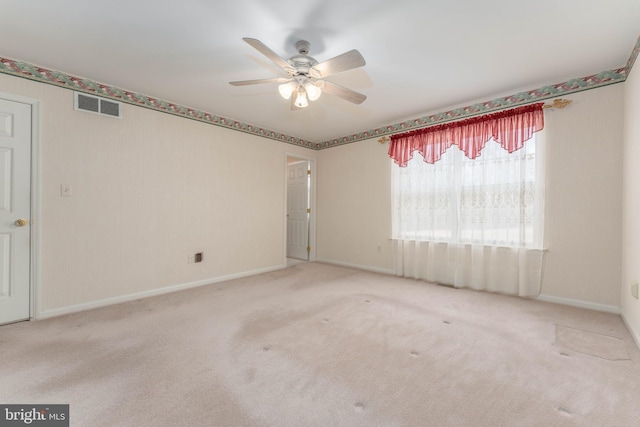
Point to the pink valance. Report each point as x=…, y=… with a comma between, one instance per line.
x=510, y=128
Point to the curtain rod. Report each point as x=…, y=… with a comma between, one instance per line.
x=557, y=103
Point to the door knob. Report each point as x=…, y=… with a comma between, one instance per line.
x=21, y=222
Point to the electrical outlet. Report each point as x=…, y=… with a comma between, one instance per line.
x=197, y=257
x=634, y=290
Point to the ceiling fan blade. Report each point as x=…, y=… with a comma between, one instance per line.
x=266, y=51
x=346, y=61
x=260, y=81
x=342, y=92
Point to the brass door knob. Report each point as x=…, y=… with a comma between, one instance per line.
x=21, y=222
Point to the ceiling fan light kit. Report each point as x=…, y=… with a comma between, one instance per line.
x=306, y=75
x=301, y=99
x=313, y=91
x=286, y=89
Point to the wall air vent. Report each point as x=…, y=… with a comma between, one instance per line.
x=95, y=104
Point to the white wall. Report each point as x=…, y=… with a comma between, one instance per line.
x=631, y=202
x=354, y=206
x=148, y=191
x=584, y=198
x=151, y=189
x=583, y=201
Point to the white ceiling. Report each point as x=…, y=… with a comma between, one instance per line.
x=422, y=56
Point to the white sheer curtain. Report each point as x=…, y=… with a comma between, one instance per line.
x=472, y=223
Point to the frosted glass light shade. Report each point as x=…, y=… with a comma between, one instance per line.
x=301, y=100
x=286, y=89
x=313, y=91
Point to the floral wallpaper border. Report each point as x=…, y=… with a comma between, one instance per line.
x=57, y=78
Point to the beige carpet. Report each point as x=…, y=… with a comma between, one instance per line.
x=320, y=345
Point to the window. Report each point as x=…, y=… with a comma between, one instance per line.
x=494, y=200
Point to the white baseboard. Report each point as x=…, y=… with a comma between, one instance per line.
x=579, y=303
x=150, y=293
x=357, y=267
x=634, y=333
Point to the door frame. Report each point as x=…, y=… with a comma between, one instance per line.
x=35, y=290
x=312, y=205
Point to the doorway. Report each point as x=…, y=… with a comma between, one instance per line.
x=15, y=210
x=300, y=214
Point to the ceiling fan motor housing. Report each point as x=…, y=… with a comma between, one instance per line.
x=302, y=62
x=303, y=46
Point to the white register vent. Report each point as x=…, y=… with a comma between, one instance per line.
x=95, y=104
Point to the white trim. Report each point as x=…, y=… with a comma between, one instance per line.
x=634, y=333
x=578, y=303
x=150, y=293
x=34, y=253
x=36, y=213
x=358, y=267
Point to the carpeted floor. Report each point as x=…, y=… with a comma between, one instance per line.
x=320, y=345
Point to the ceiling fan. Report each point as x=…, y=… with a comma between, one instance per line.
x=306, y=75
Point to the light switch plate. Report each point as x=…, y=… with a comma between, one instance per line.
x=65, y=190
x=634, y=290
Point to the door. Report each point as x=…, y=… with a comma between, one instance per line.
x=15, y=210
x=298, y=211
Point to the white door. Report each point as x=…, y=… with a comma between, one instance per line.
x=298, y=211
x=15, y=210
